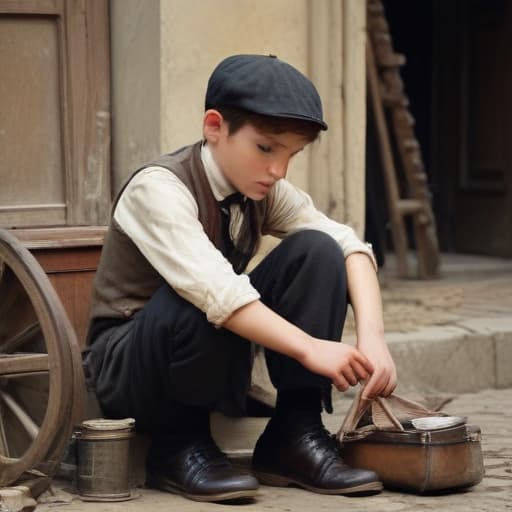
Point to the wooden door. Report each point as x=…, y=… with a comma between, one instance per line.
x=472, y=127
x=54, y=113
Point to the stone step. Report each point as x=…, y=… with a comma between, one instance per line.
x=472, y=355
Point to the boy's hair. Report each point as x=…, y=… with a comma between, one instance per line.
x=237, y=118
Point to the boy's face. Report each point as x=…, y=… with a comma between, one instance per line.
x=252, y=161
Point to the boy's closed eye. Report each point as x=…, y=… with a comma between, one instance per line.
x=264, y=148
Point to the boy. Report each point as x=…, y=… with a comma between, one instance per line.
x=173, y=314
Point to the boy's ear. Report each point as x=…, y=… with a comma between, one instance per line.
x=212, y=124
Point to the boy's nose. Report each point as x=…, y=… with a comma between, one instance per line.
x=278, y=170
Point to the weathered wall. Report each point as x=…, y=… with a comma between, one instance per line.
x=337, y=66
x=136, y=99
x=165, y=50
x=197, y=34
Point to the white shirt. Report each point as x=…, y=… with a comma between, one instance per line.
x=160, y=215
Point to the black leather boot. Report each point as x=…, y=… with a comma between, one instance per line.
x=305, y=454
x=198, y=470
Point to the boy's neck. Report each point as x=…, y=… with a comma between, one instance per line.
x=220, y=186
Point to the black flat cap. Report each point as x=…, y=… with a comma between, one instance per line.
x=266, y=85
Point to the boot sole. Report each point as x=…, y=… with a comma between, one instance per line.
x=284, y=481
x=164, y=484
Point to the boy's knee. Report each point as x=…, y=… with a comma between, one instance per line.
x=318, y=245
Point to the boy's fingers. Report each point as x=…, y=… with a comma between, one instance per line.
x=361, y=371
x=341, y=383
x=350, y=376
x=380, y=385
x=360, y=358
x=368, y=392
x=390, y=387
x=373, y=388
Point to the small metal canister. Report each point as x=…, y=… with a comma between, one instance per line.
x=103, y=455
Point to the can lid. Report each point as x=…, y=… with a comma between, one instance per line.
x=107, y=424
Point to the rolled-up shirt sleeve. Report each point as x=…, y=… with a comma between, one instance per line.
x=160, y=215
x=291, y=209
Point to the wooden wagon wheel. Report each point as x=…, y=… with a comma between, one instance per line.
x=40, y=373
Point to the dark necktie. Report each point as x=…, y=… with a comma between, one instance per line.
x=225, y=215
x=225, y=219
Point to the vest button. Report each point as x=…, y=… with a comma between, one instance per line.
x=127, y=313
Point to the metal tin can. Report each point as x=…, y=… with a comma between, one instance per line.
x=103, y=455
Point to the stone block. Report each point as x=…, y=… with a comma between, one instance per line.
x=458, y=363
x=16, y=499
x=503, y=344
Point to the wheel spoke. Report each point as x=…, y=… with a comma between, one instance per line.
x=4, y=447
x=27, y=334
x=28, y=424
x=23, y=364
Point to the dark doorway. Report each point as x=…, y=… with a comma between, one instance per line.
x=458, y=78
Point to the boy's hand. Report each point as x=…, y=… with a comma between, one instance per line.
x=343, y=364
x=367, y=306
x=383, y=379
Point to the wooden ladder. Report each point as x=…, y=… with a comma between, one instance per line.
x=393, y=119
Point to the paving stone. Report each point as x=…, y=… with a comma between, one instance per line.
x=503, y=360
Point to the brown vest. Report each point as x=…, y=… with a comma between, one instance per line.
x=125, y=280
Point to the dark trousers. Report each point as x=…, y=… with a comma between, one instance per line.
x=169, y=356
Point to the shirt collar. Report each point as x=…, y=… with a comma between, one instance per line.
x=220, y=186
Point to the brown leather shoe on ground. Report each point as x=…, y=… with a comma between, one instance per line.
x=201, y=472
x=308, y=457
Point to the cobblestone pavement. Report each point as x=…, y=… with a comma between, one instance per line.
x=444, y=302
x=490, y=409
x=469, y=287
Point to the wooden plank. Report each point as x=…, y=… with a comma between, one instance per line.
x=61, y=237
x=30, y=7
x=33, y=215
x=68, y=260
x=87, y=67
x=409, y=206
x=18, y=364
x=74, y=290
